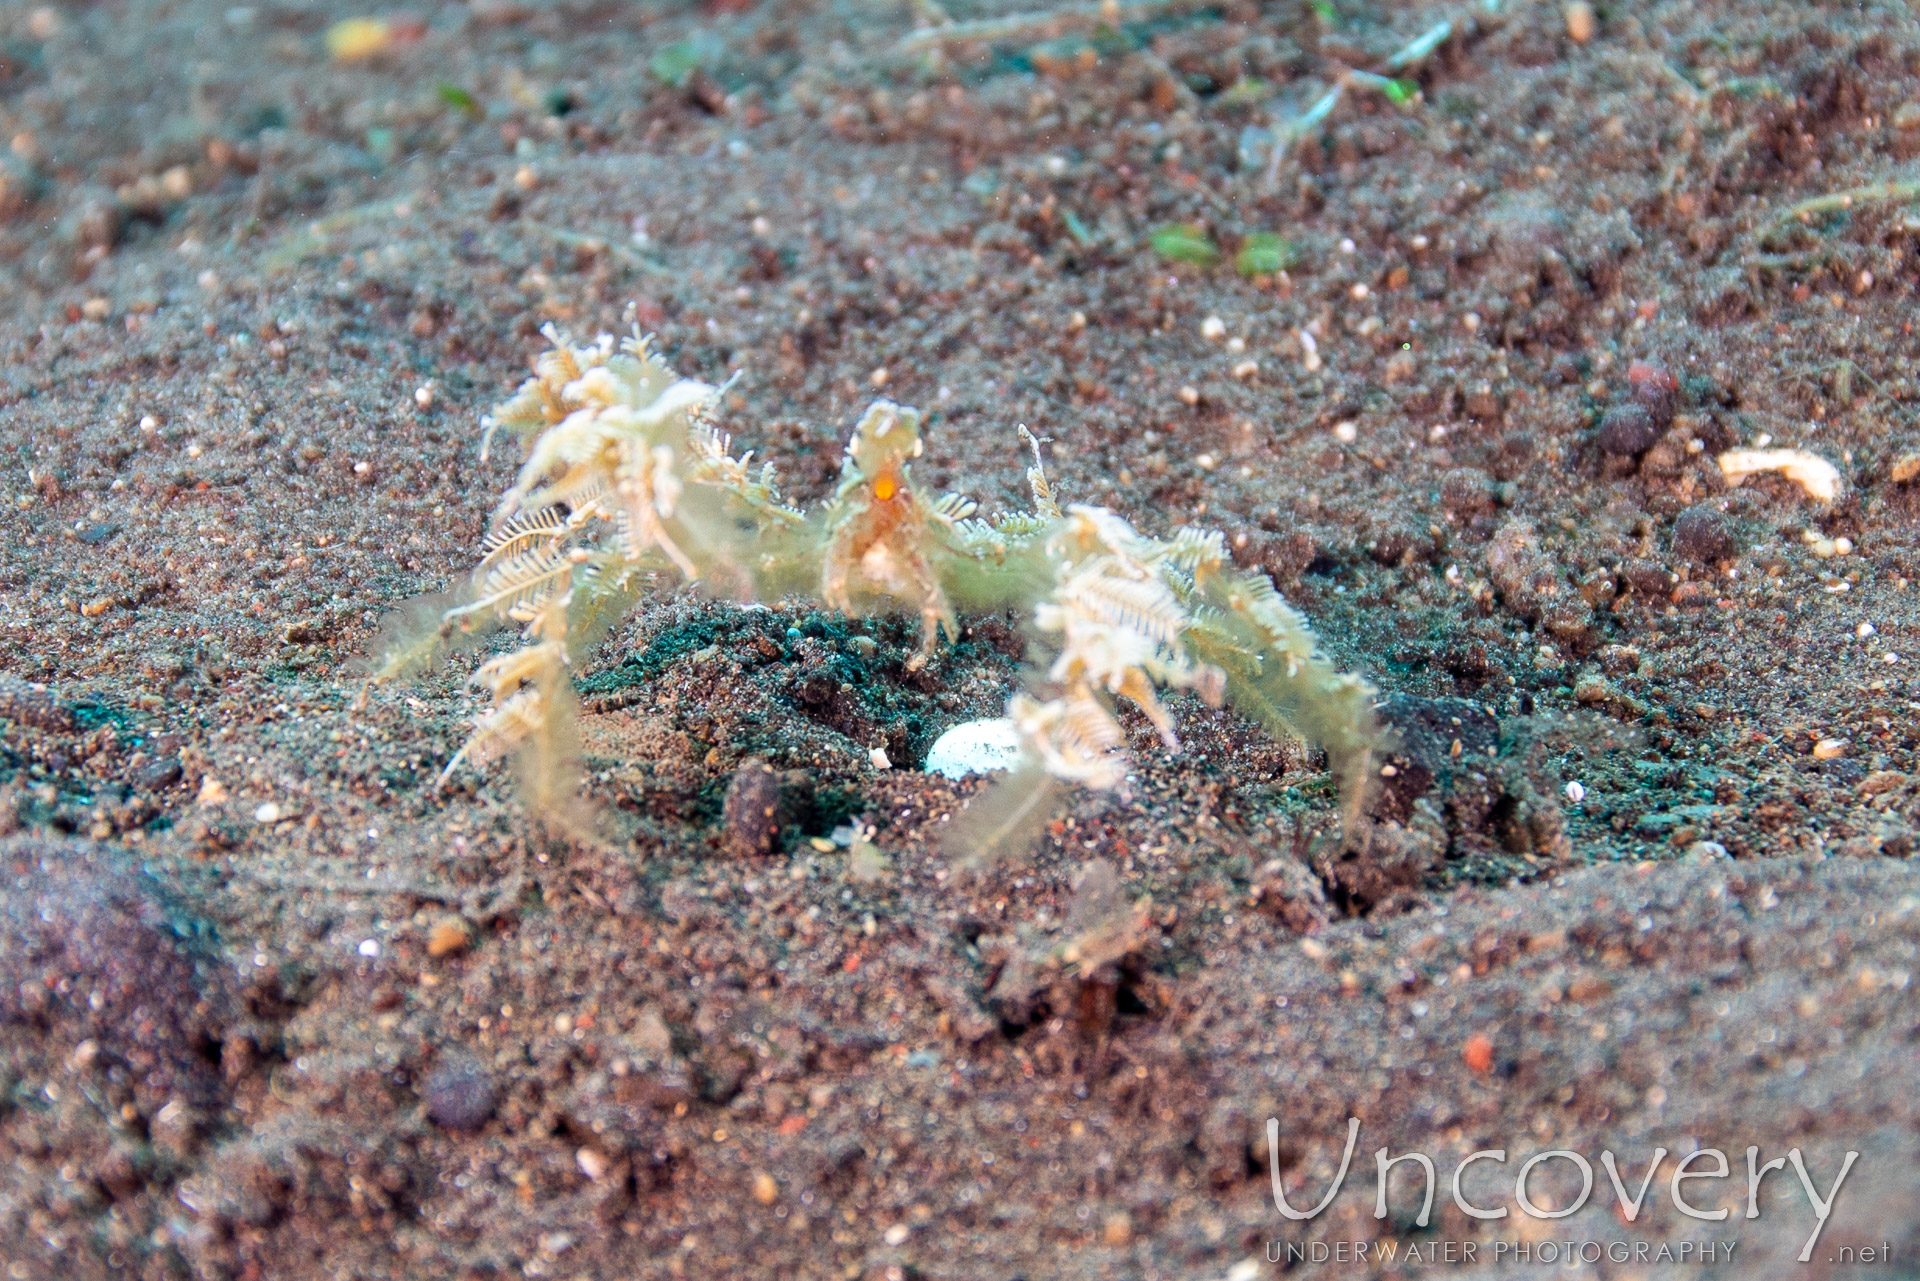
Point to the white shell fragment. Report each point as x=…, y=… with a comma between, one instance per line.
x=1811, y=472
x=975, y=747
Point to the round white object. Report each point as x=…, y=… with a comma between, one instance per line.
x=975, y=747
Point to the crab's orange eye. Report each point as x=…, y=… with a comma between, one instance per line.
x=885, y=488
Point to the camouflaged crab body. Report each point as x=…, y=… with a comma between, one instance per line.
x=626, y=481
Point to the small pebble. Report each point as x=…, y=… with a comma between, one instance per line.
x=1829, y=748
x=765, y=1190
x=1213, y=328
x=1576, y=792
x=448, y=936
x=1626, y=430
x=1189, y=395
x=1655, y=389
x=1582, y=22
x=1346, y=432
x=267, y=813
x=460, y=1094
x=896, y=1235
x=1118, y=1229
x=1478, y=1053
x=592, y=1164
x=369, y=948
x=752, y=810
x=1700, y=535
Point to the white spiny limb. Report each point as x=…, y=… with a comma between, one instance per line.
x=1196, y=552
x=523, y=532
x=1074, y=737
x=521, y=685
x=648, y=491
x=519, y=585
x=1045, y=502
x=1116, y=593
x=711, y=462
x=954, y=508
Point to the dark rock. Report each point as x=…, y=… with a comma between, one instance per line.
x=1396, y=861
x=1700, y=535
x=1526, y=578
x=1656, y=390
x=1426, y=732
x=1649, y=581
x=752, y=810
x=1450, y=802
x=97, y=222
x=1466, y=492
x=460, y=1093
x=37, y=706
x=157, y=775
x=1626, y=430
x=1287, y=890
x=92, y=950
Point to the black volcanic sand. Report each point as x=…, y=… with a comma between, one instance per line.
x=276, y=1005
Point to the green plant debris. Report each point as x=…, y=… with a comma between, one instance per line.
x=1246, y=91
x=1265, y=253
x=1077, y=229
x=459, y=99
x=1185, y=242
x=672, y=64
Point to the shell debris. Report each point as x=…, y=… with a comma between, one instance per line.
x=1820, y=478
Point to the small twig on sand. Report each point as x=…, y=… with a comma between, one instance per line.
x=594, y=245
x=1886, y=190
x=1420, y=46
x=1409, y=55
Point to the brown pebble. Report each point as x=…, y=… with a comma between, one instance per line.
x=1587, y=988
x=1118, y=1229
x=1478, y=1053
x=1627, y=430
x=1656, y=389
x=449, y=935
x=765, y=1190
x=752, y=810
x=1582, y=22
x=1700, y=534
x=460, y=1093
